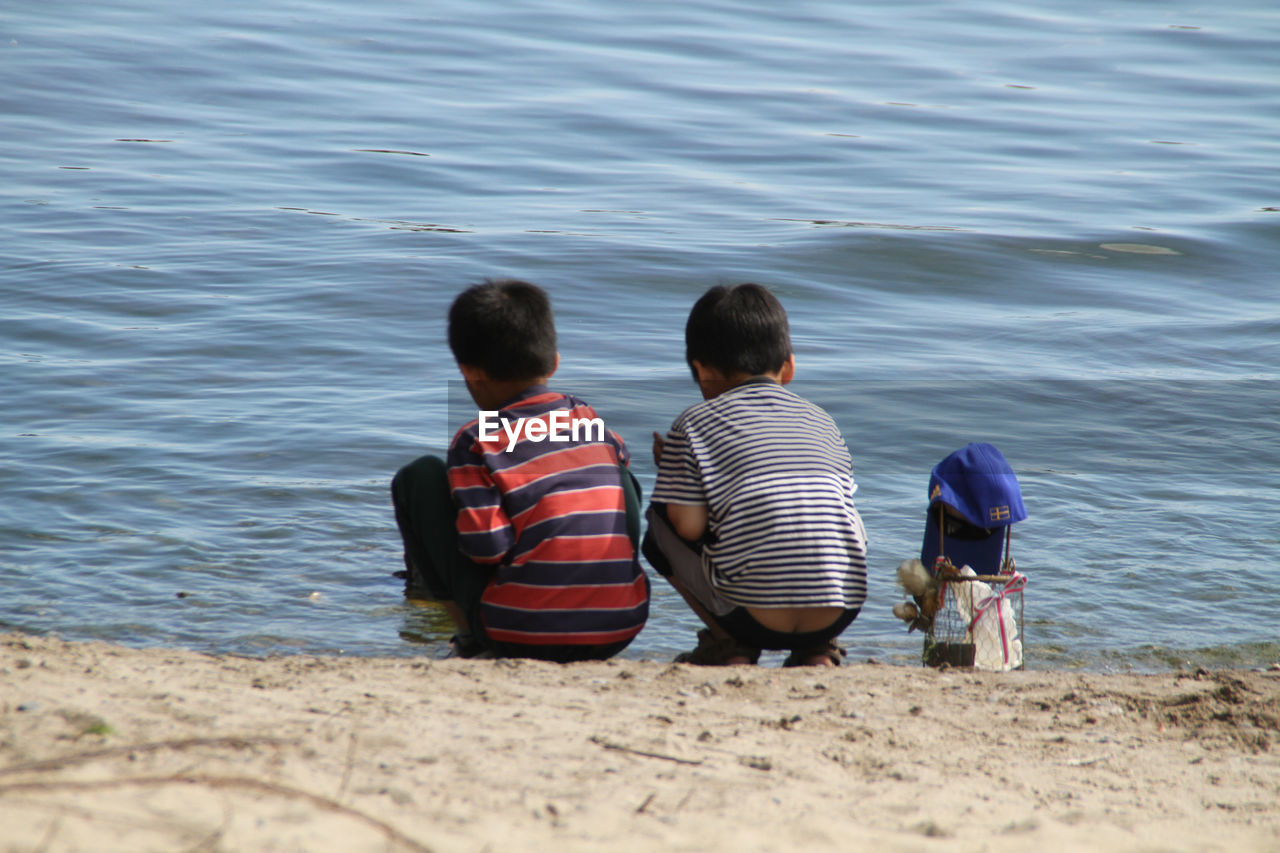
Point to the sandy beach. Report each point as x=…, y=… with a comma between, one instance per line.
x=109, y=748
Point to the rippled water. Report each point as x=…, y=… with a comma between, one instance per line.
x=229, y=234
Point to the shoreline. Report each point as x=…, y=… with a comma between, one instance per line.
x=104, y=747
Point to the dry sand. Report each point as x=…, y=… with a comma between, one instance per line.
x=105, y=748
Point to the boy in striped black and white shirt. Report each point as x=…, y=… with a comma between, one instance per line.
x=752, y=517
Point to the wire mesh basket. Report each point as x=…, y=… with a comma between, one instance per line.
x=978, y=622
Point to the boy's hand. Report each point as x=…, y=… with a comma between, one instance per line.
x=657, y=448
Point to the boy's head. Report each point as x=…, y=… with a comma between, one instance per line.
x=504, y=328
x=739, y=330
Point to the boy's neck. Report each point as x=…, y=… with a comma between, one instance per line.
x=493, y=394
x=713, y=382
x=714, y=387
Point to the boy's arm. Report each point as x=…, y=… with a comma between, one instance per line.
x=485, y=534
x=679, y=485
x=620, y=447
x=689, y=522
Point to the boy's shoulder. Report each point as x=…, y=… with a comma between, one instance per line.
x=753, y=395
x=535, y=397
x=567, y=399
x=769, y=401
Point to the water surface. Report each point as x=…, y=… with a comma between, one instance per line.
x=231, y=232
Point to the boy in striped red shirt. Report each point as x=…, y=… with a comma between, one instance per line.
x=527, y=533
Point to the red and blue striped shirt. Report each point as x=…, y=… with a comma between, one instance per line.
x=550, y=516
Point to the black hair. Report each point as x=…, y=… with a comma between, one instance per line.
x=505, y=328
x=739, y=329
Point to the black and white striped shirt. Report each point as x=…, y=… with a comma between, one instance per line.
x=777, y=481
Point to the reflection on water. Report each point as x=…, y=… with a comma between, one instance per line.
x=425, y=623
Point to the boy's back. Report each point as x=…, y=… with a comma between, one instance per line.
x=550, y=515
x=777, y=479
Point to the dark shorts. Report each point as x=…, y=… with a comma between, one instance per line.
x=743, y=627
x=672, y=556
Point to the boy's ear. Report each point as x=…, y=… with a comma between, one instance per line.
x=788, y=370
x=705, y=372
x=555, y=366
x=711, y=382
x=471, y=373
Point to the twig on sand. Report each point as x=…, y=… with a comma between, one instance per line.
x=134, y=749
x=316, y=800
x=54, y=826
x=351, y=763
x=599, y=741
x=649, y=799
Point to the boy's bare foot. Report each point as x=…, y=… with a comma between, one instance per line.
x=719, y=652
x=466, y=646
x=818, y=660
x=828, y=654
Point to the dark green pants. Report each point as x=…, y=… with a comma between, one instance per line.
x=435, y=569
x=427, y=517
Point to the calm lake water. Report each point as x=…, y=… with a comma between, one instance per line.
x=229, y=233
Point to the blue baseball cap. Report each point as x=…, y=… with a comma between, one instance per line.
x=979, y=484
